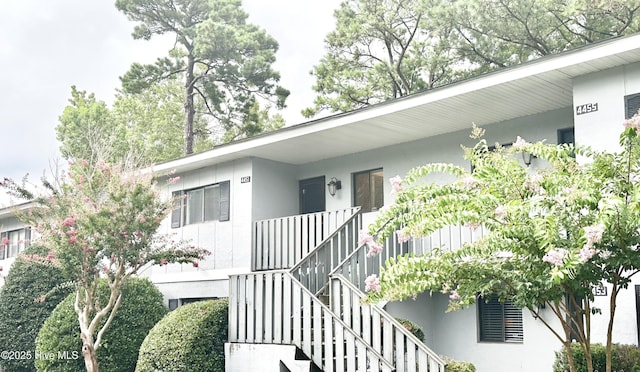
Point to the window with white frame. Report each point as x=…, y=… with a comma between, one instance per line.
x=207, y=203
x=368, y=190
x=14, y=242
x=499, y=321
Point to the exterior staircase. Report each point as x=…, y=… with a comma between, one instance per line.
x=307, y=290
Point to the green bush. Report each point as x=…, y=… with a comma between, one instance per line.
x=21, y=316
x=142, y=307
x=458, y=366
x=412, y=327
x=623, y=358
x=190, y=338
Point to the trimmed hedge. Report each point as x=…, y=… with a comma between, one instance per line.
x=21, y=316
x=142, y=307
x=624, y=358
x=458, y=366
x=190, y=338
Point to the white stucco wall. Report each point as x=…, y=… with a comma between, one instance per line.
x=455, y=334
x=228, y=241
x=275, y=189
x=601, y=130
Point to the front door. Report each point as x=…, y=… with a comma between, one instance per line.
x=312, y=198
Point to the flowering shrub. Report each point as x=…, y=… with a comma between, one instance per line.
x=554, y=232
x=101, y=221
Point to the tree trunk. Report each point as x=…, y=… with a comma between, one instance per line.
x=90, y=357
x=612, y=313
x=189, y=109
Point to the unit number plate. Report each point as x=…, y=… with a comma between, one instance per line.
x=586, y=108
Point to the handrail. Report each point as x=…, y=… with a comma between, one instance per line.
x=253, y=296
x=279, y=243
x=313, y=270
x=396, y=326
x=319, y=246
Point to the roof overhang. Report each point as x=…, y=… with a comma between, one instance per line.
x=538, y=86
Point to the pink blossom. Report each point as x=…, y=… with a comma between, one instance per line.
x=73, y=239
x=195, y=264
x=81, y=179
x=586, y=253
x=173, y=180
x=500, y=211
x=594, y=234
x=68, y=222
x=85, y=163
x=519, y=144
x=164, y=262
x=555, y=256
x=374, y=249
x=364, y=238
x=633, y=122
x=402, y=236
x=396, y=184
x=372, y=283
x=5, y=241
x=454, y=296
x=51, y=256
x=142, y=219
x=469, y=181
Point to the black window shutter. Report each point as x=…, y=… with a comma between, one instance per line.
x=27, y=237
x=224, y=200
x=176, y=214
x=3, y=248
x=631, y=105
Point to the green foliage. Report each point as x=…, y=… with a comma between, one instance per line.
x=190, y=338
x=458, y=366
x=384, y=49
x=142, y=308
x=415, y=329
x=625, y=358
x=32, y=276
x=87, y=124
x=223, y=62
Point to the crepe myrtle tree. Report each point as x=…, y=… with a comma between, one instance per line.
x=554, y=233
x=101, y=222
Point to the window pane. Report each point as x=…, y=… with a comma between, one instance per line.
x=377, y=189
x=499, y=322
x=362, y=191
x=16, y=242
x=212, y=203
x=194, y=206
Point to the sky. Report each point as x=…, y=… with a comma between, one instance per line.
x=47, y=46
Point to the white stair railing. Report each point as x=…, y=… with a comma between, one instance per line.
x=280, y=243
x=383, y=332
x=274, y=308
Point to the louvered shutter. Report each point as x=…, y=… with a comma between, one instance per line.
x=631, y=105
x=176, y=214
x=225, y=200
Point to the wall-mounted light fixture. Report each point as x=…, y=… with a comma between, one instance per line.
x=333, y=186
x=527, y=158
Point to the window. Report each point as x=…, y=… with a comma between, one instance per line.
x=208, y=203
x=499, y=321
x=17, y=241
x=174, y=303
x=631, y=105
x=566, y=135
x=368, y=192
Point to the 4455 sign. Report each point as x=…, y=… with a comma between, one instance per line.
x=586, y=108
